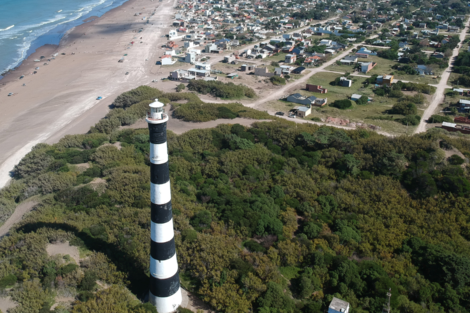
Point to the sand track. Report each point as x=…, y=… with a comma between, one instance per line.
x=17, y=215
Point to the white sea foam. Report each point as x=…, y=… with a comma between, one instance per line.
x=5, y=29
x=33, y=31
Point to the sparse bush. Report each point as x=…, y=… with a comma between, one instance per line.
x=277, y=80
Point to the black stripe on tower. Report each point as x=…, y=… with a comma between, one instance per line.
x=164, y=287
x=157, y=133
x=162, y=251
x=161, y=214
x=159, y=173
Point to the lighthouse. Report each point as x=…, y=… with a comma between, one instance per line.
x=165, y=292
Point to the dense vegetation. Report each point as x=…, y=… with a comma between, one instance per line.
x=273, y=218
x=220, y=89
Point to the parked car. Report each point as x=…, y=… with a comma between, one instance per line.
x=99, y=98
x=10, y=94
x=280, y=113
x=127, y=73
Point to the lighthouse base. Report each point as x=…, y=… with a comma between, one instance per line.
x=167, y=304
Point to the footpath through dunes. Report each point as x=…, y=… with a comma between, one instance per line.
x=62, y=96
x=17, y=215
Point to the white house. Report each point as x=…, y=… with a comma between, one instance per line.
x=167, y=60
x=338, y=306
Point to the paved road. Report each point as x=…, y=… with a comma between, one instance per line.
x=441, y=87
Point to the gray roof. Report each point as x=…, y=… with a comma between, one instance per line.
x=338, y=305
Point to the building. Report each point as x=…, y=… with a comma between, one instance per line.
x=165, y=290
x=167, y=60
x=386, y=80
x=452, y=127
x=190, y=58
x=356, y=97
x=338, y=306
x=290, y=58
x=307, y=101
x=316, y=88
x=302, y=111
x=181, y=75
x=367, y=67
x=344, y=82
x=350, y=59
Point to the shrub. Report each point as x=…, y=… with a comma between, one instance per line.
x=411, y=120
x=276, y=80
x=253, y=246
x=439, y=119
x=136, y=95
x=180, y=87
x=342, y=104
x=455, y=160
x=395, y=94
x=8, y=281
x=220, y=89
x=404, y=108
x=380, y=92
x=362, y=100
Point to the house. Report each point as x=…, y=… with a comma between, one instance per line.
x=299, y=70
x=437, y=55
x=367, y=67
x=167, y=60
x=344, y=82
x=424, y=70
x=316, y=88
x=355, y=97
x=452, y=127
x=200, y=70
x=302, y=111
x=386, y=80
x=325, y=42
x=464, y=106
x=338, y=306
x=190, y=57
x=290, y=58
x=229, y=58
x=181, y=75
x=308, y=101
x=364, y=50
x=350, y=59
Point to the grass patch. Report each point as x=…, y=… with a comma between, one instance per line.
x=290, y=272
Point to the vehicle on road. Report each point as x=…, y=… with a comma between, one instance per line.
x=22, y=76
x=292, y=116
x=10, y=94
x=99, y=98
x=127, y=73
x=280, y=113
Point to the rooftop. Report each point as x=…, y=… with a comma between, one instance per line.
x=339, y=305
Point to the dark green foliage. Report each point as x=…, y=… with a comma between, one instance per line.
x=380, y=92
x=8, y=281
x=363, y=100
x=277, y=80
x=201, y=220
x=137, y=95
x=342, y=104
x=327, y=203
x=67, y=269
x=253, y=246
x=404, y=108
x=220, y=89
x=439, y=119
x=275, y=300
x=88, y=282
x=411, y=120
x=455, y=160
x=182, y=310
x=312, y=230
x=180, y=87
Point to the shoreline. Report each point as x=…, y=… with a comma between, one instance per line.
x=61, y=98
x=47, y=49
x=37, y=44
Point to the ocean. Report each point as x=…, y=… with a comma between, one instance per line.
x=26, y=25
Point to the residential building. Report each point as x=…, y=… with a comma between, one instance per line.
x=350, y=59
x=338, y=306
x=290, y=58
x=302, y=111
x=344, y=82
x=367, y=67
x=316, y=88
x=308, y=101
x=167, y=60
x=386, y=80
x=190, y=57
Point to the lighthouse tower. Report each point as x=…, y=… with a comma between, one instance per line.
x=165, y=292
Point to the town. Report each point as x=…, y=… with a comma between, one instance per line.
x=381, y=66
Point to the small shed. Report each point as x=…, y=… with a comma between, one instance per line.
x=232, y=75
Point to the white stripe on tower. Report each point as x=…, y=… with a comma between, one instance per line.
x=165, y=291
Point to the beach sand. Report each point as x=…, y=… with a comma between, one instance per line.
x=61, y=98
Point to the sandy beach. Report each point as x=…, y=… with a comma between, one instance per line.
x=61, y=97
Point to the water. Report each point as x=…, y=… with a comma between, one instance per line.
x=26, y=25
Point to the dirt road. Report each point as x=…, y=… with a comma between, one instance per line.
x=17, y=215
x=441, y=87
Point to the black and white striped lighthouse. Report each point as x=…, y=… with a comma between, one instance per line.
x=165, y=292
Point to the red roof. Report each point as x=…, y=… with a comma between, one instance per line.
x=166, y=56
